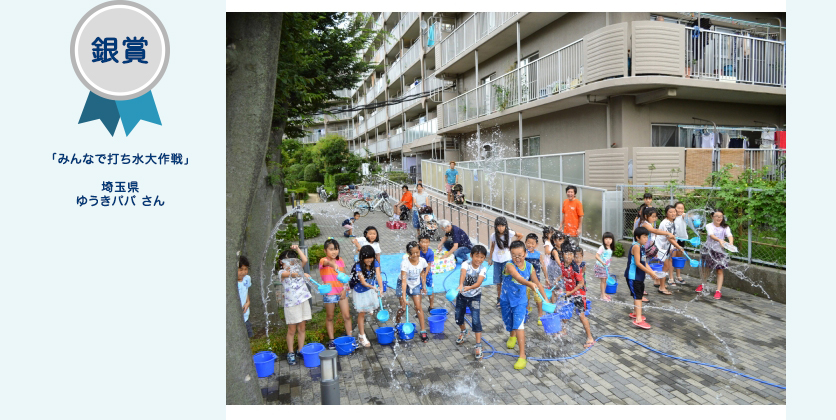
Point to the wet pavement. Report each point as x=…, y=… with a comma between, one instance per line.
x=740, y=332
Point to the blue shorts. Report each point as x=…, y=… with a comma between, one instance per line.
x=414, y=291
x=498, y=267
x=330, y=298
x=429, y=280
x=513, y=316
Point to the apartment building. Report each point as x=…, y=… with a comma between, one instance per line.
x=658, y=88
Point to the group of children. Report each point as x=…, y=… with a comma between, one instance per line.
x=518, y=267
x=665, y=242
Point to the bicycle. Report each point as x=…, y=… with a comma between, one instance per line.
x=347, y=196
x=364, y=206
x=323, y=194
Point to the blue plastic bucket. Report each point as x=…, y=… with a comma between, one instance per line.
x=451, y=294
x=403, y=336
x=310, y=354
x=551, y=323
x=345, y=345
x=439, y=311
x=265, y=363
x=437, y=324
x=657, y=267
x=564, y=311
x=385, y=335
x=678, y=262
x=611, y=288
x=342, y=277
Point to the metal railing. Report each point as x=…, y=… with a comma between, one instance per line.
x=735, y=58
x=343, y=93
x=756, y=244
x=421, y=130
x=396, y=141
x=561, y=167
x=380, y=117
x=476, y=27
x=409, y=58
x=553, y=73
x=432, y=84
x=527, y=199
x=775, y=160
x=347, y=133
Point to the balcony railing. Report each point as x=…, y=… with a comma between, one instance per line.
x=421, y=130
x=735, y=58
x=343, y=93
x=396, y=109
x=379, y=86
x=396, y=141
x=556, y=72
x=378, y=55
x=347, y=133
x=410, y=57
x=380, y=117
x=432, y=84
x=398, y=30
x=470, y=32
x=370, y=95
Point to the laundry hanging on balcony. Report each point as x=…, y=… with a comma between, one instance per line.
x=431, y=36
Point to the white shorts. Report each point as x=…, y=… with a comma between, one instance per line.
x=298, y=313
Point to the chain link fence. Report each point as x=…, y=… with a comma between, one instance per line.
x=757, y=243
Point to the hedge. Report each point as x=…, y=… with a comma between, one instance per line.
x=310, y=186
x=345, y=179
x=398, y=177
x=312, y=173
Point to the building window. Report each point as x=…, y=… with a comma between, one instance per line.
x=531, y=146
x=486, y=151
x=663, y=135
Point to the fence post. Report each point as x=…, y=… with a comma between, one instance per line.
x=749, y=245
x=671, y=199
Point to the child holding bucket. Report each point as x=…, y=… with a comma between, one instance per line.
x=635, y=273
x=713, y=256
x=667, y=244
x=329, y=266
x=518, y=275
x=470, y=296
x=681, y=231
x=573, y=279
x=554, y=274
x=413, y=282
x=532, y=256
x=429, y=256
x=297, y=309
x=648, y=220
x=602, y=262
x=364, y=275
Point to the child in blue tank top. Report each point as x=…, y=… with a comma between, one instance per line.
x=635, y=274
x=513, y=301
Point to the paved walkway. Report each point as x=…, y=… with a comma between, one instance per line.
x=741, y=332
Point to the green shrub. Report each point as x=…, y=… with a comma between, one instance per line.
x=619, y=250
x=329, y=182
x=315, y=253
x=315, y=332
x=398, y=177
x=312, y=173
x=309, y=186
x=306, y=217
x=291, y=232
x=344, y=179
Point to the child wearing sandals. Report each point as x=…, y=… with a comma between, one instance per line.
x=712, y=254
x=602, y=262
x=297, y=309
x=554, y=272
x=470, y=296
x=635, y=273
x=413, y=282
x=364, y=275
x=667, y=244
x=329, y=266
x=518, y=275
x=532, y=256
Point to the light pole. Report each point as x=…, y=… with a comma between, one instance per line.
x=329, y=385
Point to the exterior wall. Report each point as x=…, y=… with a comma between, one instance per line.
x=663, y=159
x=573, y=130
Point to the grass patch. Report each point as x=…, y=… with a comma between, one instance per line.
x=315, y=332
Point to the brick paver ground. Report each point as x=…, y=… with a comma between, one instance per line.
x=741, y=332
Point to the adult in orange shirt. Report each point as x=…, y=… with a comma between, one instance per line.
x=572, y=214
x=406, y=200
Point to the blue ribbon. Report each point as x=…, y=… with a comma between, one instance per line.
x=109, y=112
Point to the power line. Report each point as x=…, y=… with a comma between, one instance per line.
x=376, y=105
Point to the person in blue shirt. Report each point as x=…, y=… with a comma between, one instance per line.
x=518, y=276
x=452, y=179
x=532, y=256
x=456, y=242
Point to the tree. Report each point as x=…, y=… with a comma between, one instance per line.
x=252, y=57
x=318, y=55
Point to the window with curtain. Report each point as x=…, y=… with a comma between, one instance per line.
x=665, y=136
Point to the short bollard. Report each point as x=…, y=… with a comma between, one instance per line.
x=329, y=385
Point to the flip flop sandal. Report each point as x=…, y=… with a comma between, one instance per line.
x=666, y=294
x=645, y=300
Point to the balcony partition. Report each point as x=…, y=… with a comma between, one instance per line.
x=421, y=130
